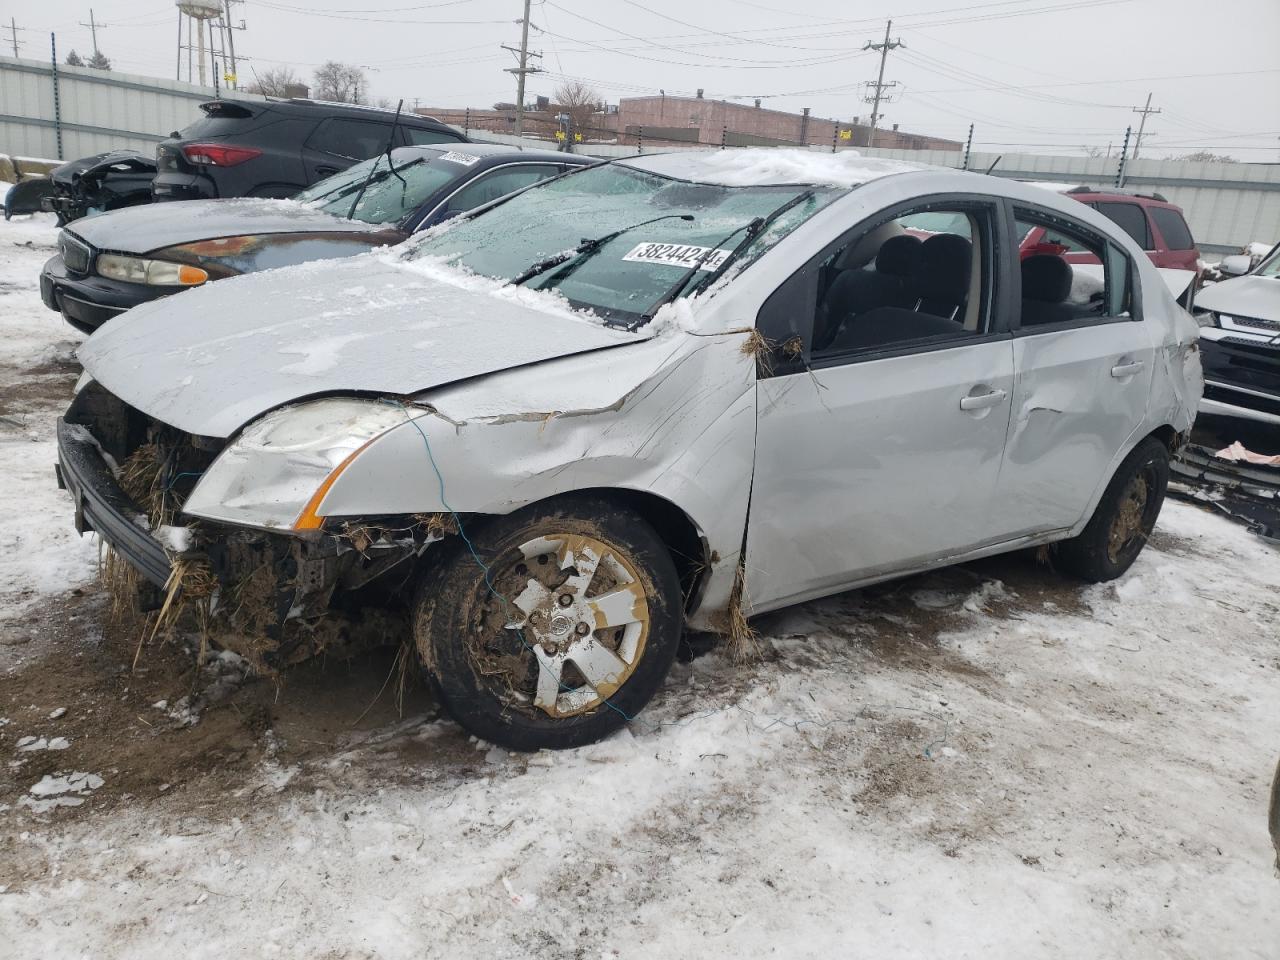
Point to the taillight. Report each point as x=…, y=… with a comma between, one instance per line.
x=216, y=155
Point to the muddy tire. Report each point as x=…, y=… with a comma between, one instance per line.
x=564, y=636
x=1123, y=520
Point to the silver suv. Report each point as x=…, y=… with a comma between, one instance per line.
x=674, y=391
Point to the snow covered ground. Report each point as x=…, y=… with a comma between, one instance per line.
x=985, y=762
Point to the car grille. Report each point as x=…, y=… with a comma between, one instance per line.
x=1249, y=323
x=76, y=254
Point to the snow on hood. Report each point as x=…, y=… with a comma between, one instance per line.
x=152, y=226
x=211, y=359
x=768, y=166
x=1248, y=296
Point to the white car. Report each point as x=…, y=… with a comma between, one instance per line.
x=765, y=376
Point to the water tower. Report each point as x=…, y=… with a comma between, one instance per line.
x=196, y=14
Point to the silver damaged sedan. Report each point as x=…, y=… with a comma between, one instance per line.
x=667, y=392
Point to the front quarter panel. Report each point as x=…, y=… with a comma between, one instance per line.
x=673, y=416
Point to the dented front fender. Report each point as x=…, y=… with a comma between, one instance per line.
x=673, y=417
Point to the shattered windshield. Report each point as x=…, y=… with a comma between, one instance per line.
x=624, y=277
x=388, y=197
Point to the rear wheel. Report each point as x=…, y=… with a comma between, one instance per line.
x=564, y=637
x=1124, y=518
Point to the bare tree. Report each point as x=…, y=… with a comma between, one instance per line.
x=341, y=83
x=275, y=82
x=99, y=61
x=73, y=59
x=1204, y=156
x=580, y=101
x=1093, y=152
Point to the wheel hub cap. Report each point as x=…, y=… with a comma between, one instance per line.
x=581, y=614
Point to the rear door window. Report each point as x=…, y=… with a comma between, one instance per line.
x=351, y=139
x=1130, y=218
x=1173, y=228
x=1058, y=293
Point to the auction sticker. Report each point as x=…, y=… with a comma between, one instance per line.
x=465, y=159
x=678, y=255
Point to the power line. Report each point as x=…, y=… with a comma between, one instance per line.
x=523, y=70
x=880, y=86
x=13, y=35
x=1146, y=112
x=93, y=29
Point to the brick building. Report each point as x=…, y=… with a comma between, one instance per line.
x=698, y=120
x=663, y=119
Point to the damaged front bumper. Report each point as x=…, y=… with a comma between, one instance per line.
x=103, y=507
x=275, y=598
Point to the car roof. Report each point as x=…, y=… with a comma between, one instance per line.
x=1081, y=191
x=771, y=166
x=331, y=108
x=502, y=151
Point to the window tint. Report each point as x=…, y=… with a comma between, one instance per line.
x=1057, y=292
x=498, y=183
x=918, y=278
x=1173, y=228
x=417, y=137
x=1131, y=219
x=352, y=139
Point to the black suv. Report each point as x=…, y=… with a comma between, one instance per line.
x=274, y=148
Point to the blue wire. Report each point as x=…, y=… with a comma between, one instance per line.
x=484, y=567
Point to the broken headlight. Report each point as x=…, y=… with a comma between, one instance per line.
x=162, y=273
x=276, y=473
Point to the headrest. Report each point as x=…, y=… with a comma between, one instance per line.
x=899, y=256
x=944, y=268
x=1046, y=277
x=858, y=255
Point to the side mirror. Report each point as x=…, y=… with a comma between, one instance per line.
x=1235, y=266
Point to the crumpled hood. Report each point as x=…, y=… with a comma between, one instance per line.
x=1257, y=297
x=153, y=226
x=211, y=359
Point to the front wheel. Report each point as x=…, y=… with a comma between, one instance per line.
x=562, y=636
x=1124, y=518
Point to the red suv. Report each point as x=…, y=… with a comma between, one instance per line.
x=1156, y=224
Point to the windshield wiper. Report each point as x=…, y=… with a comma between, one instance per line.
x=586, y=248
x=347, y=189
x=391, y=139
x=754, y=228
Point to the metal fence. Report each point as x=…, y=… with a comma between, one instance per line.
x=68, y=112
x=72, y=112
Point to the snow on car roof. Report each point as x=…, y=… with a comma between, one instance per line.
x=770, y=166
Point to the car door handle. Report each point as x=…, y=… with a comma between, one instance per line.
x=326, y=171
x=1122, y=370
x=982, y=401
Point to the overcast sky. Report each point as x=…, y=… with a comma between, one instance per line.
x=1033, y=74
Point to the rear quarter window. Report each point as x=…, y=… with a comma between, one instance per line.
x=1173, y=228
x=418, y=137
x=1130, y=218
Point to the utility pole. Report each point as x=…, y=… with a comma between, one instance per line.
x=230, y=30
x=1145, y=111
x=13, y=35
x=521, y=71
x=93, y=26
x=880, y=86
